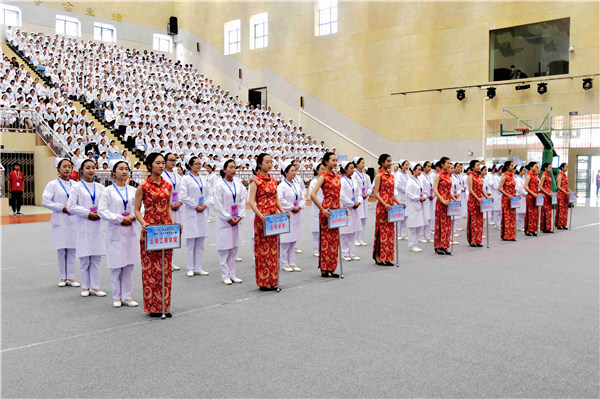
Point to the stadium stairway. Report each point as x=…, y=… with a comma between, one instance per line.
x=111, y=133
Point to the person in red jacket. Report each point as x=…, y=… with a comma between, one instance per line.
x=16, y=179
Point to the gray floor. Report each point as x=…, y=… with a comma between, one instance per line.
x=516, y=320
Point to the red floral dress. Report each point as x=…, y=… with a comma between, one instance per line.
x=443, y=222
x=475, y=216
x=546, y=215
x=509, y=215
x=384, y=231
x=156, y=211
x=531, y=211
x=265, y=248
x=562, y=209
x=328, y=238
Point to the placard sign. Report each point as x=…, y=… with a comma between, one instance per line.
x=487, y=205
x=454, y=208
x=554, y=199
x=540, y=200
x=163, y=236
x=277, y=224
x=572, y=198
x=396, y=213
x=339, y=218
x=515, y=202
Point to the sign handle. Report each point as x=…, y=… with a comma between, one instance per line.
x=515, y=209
x=340, y=253
x=571, y=217
x=554, y=210
x=452, y=235
x=539, y=217
x=163, y=284
x=397, y=246
x=487, y=229
x=278, y=264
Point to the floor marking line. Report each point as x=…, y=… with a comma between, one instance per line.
x=585, y=225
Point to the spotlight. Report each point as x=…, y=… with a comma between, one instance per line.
x=460, y=95
x=587, y=83
x=542, y=88
x=491, y=92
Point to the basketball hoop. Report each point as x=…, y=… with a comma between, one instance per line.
x=523, y=130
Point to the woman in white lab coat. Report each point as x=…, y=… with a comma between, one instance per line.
x=229, y=198
x=401, y=179
x=83, y=202
x=488, y=183
x=196, y=197
x=171, y=175
x=496, y=195
x=314, y=211
x=350, y=199
x=520, y=186
x=292, y=200
x=363, y=184
x=122, y=240
x=427, y=185
x=211, y=180
x=301, y=189
x=62, y=226
x=416, y=220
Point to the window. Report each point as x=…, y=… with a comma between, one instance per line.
x=525, y=51
x=259, y=31
x=105, y=32
x=67, y=26
x=327, y=17
x=231, y=38
x=162, y=43
x=11, y=16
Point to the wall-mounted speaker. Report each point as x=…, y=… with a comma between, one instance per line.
x=172, y=26
x=197, y=47
x=240, y=73
x=301, y=102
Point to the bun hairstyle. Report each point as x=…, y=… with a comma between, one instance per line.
x=189, y=164
x=473, y=163
x=442, y=161
x=531, y=165
x=506, y=166
x=545, y=165
x=259, y=161
x=327, y=157
x=482, y=169
x=522, y=168
x=61, y=161
x=285, y=171
x=343, y=168
x=358, y=161
x=415, y=166
x=382, y=159
x=562, y=165
x=150, y=160
x=403, y=162
x=225, y=165
x=425, y=164
x=493, y=169
x=85, y=161
x=316, y=169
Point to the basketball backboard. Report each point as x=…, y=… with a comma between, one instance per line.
x=534, y=118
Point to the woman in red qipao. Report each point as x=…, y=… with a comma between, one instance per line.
x=329, y=243
x=383, y=191
x=476, y=195
x=546, y=189
x=508, y=189
x=562, y=208
x=263, y=201
x=442, y=188
x=532, y=186
x=155, y=194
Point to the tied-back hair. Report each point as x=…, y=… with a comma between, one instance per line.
x=84, y=162
x=562, y=165
x=344, y=169
x=114, y=169
x=61, y=161
x=531, y=164
x=442, y=161
x=326, y=158
x=285, y=171
x=259, y=161
x=545, y=165
x=225, y=165
x=189, y=164
x=506, y=166
x=382, y=159
x=150, y=160
x=316, y=169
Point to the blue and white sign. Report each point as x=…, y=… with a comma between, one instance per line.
x=572, y=198
x=277, y=224
x=339, y=218
x=540, y=200
x=554, y=199
x=487, y=205
x=396, y=213
x=515, y=202
x=454, y=208
x=163, y=236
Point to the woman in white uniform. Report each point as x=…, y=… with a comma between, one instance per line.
x=314, y=210
x=229, y=198
x=122, y=240
x=83, y=202
x=363, y=184
x=171, y=175
x=432, y=176
x=62, y=226
x=301, y=189
x=196, y=197
x=427, y=185
x=415, y=209
x=211, y=179
x=520, y=187
x=293, y=201
x=350, y=199
x=401, y=179
x=496, y=195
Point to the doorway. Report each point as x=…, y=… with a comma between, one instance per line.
x=587, y=182
x=258, y=96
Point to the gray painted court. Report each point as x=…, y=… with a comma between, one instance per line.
x=516, y=320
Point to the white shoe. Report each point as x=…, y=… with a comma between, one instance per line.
x=497, y=228
x=347, y=258
x=491, y=223
x=423, y=240
x=97, y=293
x=298, y=251
x=456, y=235
x=460, y=228
x=238, y=259
x=364, y=244
x=316, y=254
x=415, y=249
x=296, y=269
x=227, y=281
x=130, y=303
x=62, y=283
x=455, y=242
x=520, y=229
x=236, y=280
x=404, y=237
x=357, y=244
x=73, y=283
x=116, y=304
x=176, y=267
x=201, y=273
x=354, y=258
x=482, y=236
x=85, y=293
x=210, y=220
x=399, y=238
x=190, y=273
x=430, y=240
x=287, y=269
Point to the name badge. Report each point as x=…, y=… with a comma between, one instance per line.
x=354, y=200
x=364, y=191
x=431, y=192
x=201, y=201
x=174, y=196
x=125, y=214
x=18, y=184
x=295, y=204
x=94, y=209
x=234, y=211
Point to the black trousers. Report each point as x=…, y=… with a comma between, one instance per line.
x=16, y=200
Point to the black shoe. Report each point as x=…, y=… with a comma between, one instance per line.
x=473, y=245
x=264, y=288
x=324, y=274
x=155, y=314
x=168, y=315
x=389, y=264
x=380, y=263
x=478, y=245
x=528, y=234
x=334, y=275
x=439, y=251
x=446, y=252
x=534, y=234
x=547, y=231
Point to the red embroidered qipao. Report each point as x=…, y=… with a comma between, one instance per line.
x=384, y=231
x=546, y=215
x=531, y=211
x=443, y=222
x=475, y=216
x=509, y=215
x=329, y=238
x=265, y=248
x=562, y=208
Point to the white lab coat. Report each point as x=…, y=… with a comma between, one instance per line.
x=520, y=187
x=62, y=225
x=122, y=242
x=348, y=191
x=496, y=195
x=427, y=185
x=314, y=212
x=89, y=232
x=228, y=236
x=175, y=180
x=400, y=180
x=195, y=224
x=362, y=182
x=287, y=196
x=415, y=209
